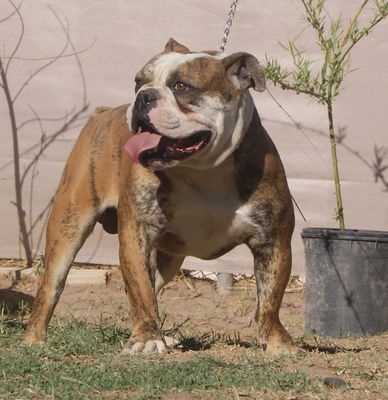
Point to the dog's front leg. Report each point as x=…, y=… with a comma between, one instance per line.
x=138, y=261
x=272, y=266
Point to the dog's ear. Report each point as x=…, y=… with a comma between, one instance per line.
x=244, y=71
x=173, y=46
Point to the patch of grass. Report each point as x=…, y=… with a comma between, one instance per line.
x=80, y=362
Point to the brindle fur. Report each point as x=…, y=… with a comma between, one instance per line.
x=143, y=202
x=163, y=216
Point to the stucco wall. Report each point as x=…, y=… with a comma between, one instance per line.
x=124, y=34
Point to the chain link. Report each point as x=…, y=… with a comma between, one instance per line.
x=223, y=277
x=228, y=24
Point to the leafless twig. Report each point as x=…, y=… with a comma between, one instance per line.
x=38, y=71
x=16, y=162
x=49, y=140
x=378, y=166
x=26, y=220
x=48, y=58
x=11, y=14
x=20, y=38
x=48, y=136
x=40, y=120
x=43, y=215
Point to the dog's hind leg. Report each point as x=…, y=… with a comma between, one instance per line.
x=70, y=223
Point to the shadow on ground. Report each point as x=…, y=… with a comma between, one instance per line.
x=13, y=302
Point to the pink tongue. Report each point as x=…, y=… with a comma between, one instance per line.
x=140, y=142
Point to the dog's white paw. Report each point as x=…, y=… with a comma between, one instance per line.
x=150, y=346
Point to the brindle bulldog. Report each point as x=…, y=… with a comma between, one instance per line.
x=195, y=175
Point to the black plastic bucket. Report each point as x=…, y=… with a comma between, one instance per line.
x=346, y=291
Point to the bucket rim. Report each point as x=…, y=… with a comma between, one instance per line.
x=361, y=235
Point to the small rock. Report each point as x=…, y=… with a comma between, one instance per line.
x=334, y=382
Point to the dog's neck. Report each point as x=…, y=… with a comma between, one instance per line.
x=235, y=126
x=231, y=125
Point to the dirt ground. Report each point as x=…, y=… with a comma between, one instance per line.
x=197, y=309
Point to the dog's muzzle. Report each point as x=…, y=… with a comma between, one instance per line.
x=147, y=145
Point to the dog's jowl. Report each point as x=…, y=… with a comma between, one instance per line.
x=187, y=170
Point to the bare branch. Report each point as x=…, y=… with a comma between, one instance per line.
x=65, y=127
x=12, y=14
x=41, y=119
x=39, y=70
x=378, y=167
x=67, y=55
x=44, y=214
x=34, y=174
x=16, y=163
x=25, y=217
x=76, y=55
x=20, y=38
x=48, y=137
x=65, y=29
x=40, y=216
x=322, y=133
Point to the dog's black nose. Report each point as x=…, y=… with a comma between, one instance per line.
x=145, y=101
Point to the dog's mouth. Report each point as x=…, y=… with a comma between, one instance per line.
x=176, y=149
x=148, y=146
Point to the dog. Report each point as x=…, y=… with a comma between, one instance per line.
x=195, y=174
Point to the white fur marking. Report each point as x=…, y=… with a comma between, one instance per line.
x=151, y=346
x=169, y=62
x=244, y=213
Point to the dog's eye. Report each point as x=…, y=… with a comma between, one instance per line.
x=181, y=87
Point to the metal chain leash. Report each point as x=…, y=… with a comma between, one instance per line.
x=225, y=279
x=228, y=25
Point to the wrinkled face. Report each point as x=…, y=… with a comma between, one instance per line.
x=190, y=108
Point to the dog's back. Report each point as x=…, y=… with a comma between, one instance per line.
x=93, y=166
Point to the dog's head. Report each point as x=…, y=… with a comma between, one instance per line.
x=191, y=108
